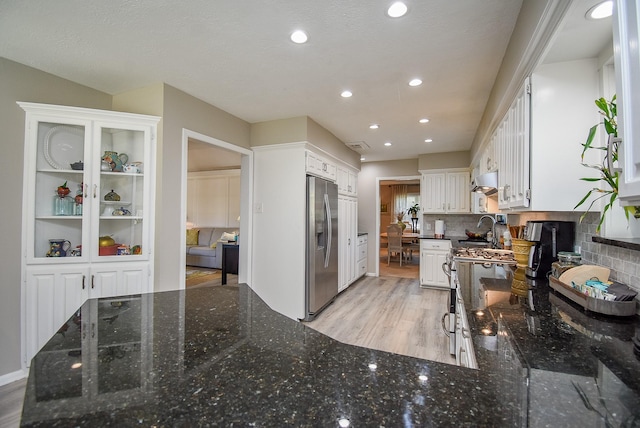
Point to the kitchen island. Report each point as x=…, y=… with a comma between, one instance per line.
x=219, y=356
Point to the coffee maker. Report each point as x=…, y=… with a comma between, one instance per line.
x=549, y=238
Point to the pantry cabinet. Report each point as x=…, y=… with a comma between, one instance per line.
x=88, y=197
x=347, y=241
x=445, y=192
x=626, y=33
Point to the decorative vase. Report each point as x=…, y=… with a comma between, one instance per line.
x=402, y=225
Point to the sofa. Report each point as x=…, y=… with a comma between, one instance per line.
x=204, y=245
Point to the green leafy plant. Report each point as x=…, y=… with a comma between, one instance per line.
x=413, y=210
x=608, y=173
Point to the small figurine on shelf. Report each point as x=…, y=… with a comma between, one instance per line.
x=112, y=196
x=63, y=190
x=62, y=204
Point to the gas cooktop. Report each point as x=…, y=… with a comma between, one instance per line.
x=483, y=255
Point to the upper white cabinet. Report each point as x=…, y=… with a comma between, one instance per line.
x=347, y=181
x=320, y=166
x=445, y=192
x=626, y=39
x=89, y=177
x=538, y=143
x=512, y=145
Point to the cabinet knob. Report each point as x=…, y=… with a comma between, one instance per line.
x=83, y=280
x=93, y=278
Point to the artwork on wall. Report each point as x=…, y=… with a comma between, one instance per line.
x=383, y=208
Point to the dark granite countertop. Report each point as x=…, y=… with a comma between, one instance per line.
x=218, y=356
x=567, y=366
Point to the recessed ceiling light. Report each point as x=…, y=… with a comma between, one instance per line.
x=397, y=9
x=387, y=144
x=428, y=140
x=374, y=126
x=601, y=10
x=415, y=82
x=363, y=158
x=346, y=94
x=424, y=120
x=299, y=36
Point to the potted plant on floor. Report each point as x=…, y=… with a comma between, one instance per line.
x=607, y=170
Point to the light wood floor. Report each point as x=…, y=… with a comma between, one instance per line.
x=11, y=397
x=389, y=314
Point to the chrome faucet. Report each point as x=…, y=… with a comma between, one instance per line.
x=494, y=240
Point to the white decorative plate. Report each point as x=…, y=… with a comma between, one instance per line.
x=62, y=147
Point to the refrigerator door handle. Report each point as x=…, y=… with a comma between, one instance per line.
x=327, y=222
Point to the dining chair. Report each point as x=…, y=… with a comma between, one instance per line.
x=394, y=237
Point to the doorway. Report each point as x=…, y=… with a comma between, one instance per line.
x=204, y=153
x=395, y=195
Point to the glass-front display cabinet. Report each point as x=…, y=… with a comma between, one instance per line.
x=87, y=205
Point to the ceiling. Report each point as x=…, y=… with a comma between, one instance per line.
x=237, y=56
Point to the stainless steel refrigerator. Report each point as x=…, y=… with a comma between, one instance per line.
x=322, y=245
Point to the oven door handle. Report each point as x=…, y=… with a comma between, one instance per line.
x=444, y=326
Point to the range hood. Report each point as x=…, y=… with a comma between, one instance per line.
x=485, y=183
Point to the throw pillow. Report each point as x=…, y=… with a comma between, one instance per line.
x=228, y=236
x=192, y=236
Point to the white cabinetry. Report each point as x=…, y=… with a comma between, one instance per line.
x=213, y=198
x=445, y=192
x=538, y=142
x=511, y=142
x=465, y=355
x=362, y=255
x=626, y=37
x=320, y=166
x=433, y=254
x=347, y=241
x=347, y=181
x=54, y=284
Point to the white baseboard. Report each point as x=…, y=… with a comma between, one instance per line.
x=12, y=377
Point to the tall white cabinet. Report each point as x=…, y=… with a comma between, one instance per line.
x=626, y=37
x=106, y=160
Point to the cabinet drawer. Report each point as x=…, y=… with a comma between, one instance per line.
x=435, y=244
x=362, y=267
x=362, y=239
x=362, y=252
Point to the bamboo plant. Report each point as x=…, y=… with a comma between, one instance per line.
x=607, y=170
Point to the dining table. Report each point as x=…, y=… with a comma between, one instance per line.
x=406, y=236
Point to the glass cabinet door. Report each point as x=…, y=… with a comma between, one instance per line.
x=59, y=189
x=120, y=195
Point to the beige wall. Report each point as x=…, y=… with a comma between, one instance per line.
x=299, y=129
x=367, y=206
x=181, y=110
x=21, y=83
x=444, y=160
